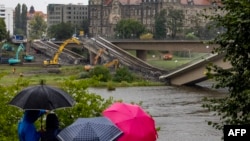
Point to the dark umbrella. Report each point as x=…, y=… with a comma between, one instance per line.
x=42, y=97
x=90, y=129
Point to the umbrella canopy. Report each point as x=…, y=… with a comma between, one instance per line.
x=135, y=123
x=90, y=129
x=42, y=97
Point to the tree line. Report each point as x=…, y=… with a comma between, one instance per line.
x=168, y=25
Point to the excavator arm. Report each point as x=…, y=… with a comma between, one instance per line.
x=99, y=53
x=54, y=61
x=59, y=51
x=114, y=63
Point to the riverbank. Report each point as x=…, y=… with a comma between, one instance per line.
x=54, y=76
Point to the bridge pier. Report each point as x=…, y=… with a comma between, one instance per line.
x=91, y=57
x=142, y=54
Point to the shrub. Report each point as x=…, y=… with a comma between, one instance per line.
x=123, y=74
x=100, y=72
x=84, y=75
x=87, y=105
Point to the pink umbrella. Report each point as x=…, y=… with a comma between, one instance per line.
x=135, y=123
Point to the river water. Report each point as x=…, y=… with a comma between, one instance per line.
x=176, y=110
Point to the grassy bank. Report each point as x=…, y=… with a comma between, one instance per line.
x=56, y=76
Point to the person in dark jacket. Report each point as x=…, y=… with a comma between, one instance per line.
x=26, y=128
x=51, y=129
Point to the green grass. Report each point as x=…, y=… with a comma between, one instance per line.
x=168, y=64
x=34, y=77
x=154, y=58
x=35, y=74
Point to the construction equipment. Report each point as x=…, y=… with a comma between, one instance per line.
x=99, y=53
x=114, y=62
x=28, y=58
x=16, y=60
x=55, y=61
x=167, y=56
x=7, y=47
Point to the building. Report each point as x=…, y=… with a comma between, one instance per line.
x=58, y=13
x=7, y=15
x=105, y=14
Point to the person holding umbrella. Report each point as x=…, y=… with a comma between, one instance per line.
x=26, y=128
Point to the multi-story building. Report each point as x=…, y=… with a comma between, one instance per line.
x=105, y=14
x=58, y=13
x=7, y=15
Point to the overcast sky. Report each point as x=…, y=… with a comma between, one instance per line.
x=39, y=5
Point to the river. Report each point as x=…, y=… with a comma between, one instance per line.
x=176, y=110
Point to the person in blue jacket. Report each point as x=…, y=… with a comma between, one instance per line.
x=26, y=128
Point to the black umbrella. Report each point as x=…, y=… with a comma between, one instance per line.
x=90, y=129
x=42, y=97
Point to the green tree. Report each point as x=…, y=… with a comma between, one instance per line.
x=37, y=27
x=160, y=25
x=234, y=108
x=174, y=21
x=20, y=19
x=58, y=31
x=24, y=19
x=3, y=32
x=17, y=19
x=128, y=28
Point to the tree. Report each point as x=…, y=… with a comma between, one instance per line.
x=24, y=19
x=234, y=43
x=129, y=28
x=174, y=21
x=59, y=31
x=37, y=27
x=20, y=19
x=3, y=32
x=160, y=25
x=17, y=19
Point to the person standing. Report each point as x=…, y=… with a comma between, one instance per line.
x=51, y=129
x=26, y=128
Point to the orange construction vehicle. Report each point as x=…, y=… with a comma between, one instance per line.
x=167, y=56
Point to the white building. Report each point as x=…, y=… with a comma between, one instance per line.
x=7, y=15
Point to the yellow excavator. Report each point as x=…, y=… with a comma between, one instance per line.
x=114, y=62
x=54, y=60
x=99, y=53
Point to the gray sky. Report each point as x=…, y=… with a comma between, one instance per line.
x=40, y=5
